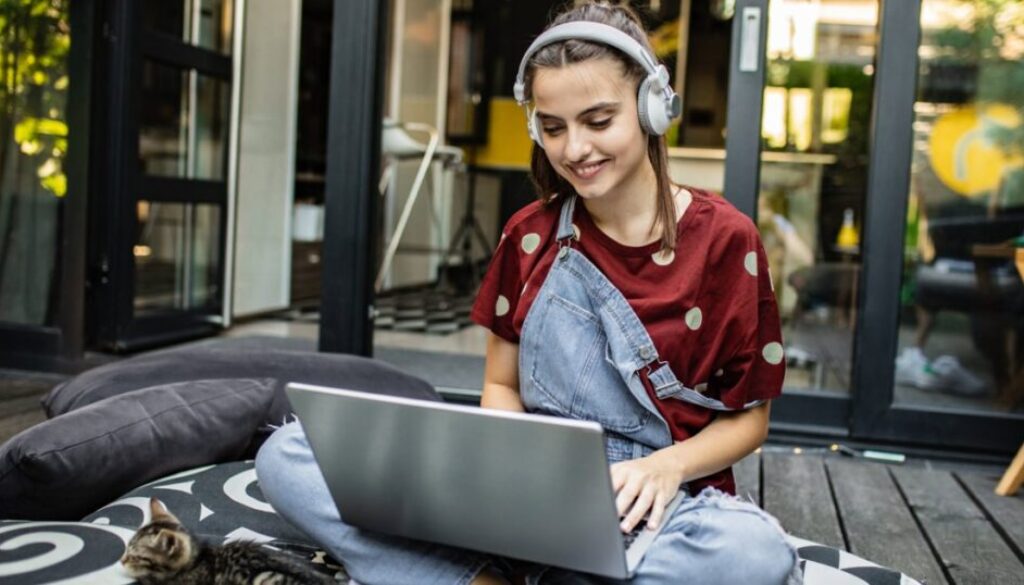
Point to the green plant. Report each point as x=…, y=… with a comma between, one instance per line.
x=35, y=38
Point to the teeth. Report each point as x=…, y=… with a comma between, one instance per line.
x=589, y=169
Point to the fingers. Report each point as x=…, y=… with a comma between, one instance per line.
x=657, y=512
x=640, y=507
x=627, y=494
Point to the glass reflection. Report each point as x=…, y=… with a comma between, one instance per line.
x=816, y=114
x=204, y=23
x=177, y=257
x=962, y=294
x=34, y=42
x=181, y=135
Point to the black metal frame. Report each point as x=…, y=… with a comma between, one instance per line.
x=743, y=140
x=114, y=324
x=59, y=347
x=353, y=162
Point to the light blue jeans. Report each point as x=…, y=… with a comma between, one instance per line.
x=711, y=539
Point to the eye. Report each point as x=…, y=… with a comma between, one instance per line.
x=552, y=130
x=600, y=124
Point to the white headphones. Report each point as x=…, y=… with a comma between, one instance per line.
x=657, y=103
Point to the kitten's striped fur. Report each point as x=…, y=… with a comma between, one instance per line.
x=163, y=551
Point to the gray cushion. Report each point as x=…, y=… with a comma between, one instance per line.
x=70, y=465
x=194, y=363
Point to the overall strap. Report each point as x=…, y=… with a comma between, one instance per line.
x=565, y=219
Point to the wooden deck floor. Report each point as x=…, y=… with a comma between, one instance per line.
x=938, y=523
x=939, y=526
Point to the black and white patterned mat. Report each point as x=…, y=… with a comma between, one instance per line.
x=223, y=503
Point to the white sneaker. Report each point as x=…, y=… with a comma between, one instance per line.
x=912, y=369
x=955, y=378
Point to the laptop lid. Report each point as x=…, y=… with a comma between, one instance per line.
x=524, y=486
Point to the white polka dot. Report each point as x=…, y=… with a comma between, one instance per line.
x=576, y=231
x=694, y=317
x=501, y=307
x=750, y=263
x=702, y=387
x=663, y=257
x=720, y=373
x=773, y=353
x=530, y=243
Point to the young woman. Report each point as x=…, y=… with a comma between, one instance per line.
x=620, y=298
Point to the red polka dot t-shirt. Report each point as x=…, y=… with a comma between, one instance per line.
x=708, y=306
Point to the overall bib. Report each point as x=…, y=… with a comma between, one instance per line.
x=581, y=352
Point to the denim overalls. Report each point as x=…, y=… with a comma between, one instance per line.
x=581, y=350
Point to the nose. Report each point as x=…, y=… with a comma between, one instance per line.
x=577, y=144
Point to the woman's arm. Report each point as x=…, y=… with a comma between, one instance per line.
x=501, y=375
x=650, y=483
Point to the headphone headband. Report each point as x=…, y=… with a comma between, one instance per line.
x=657, y=103
x=586, y=31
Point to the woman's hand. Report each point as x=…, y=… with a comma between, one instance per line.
x=645, y=485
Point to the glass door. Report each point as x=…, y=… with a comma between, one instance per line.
x=949, y=204
x=877, y=144
x=161, y=269
x=800, y=106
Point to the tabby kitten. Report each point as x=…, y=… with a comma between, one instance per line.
x=164, y=552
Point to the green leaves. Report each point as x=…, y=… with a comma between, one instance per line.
x=34, y=44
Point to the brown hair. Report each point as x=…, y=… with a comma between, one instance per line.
x=550, y=185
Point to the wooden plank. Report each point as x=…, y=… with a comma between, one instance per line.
x=12, y=425
x=748, y=478
x=879, y=526
x=1006, y=512
x=797, y=492
x=967, y=543
x=20, y=405
x=19, y=387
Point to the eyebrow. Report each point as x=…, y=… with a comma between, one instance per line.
x=591, y=110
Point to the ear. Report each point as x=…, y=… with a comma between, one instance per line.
x=159, y=513
x=168, y=541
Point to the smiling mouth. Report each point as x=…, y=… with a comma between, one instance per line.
x=587, y=171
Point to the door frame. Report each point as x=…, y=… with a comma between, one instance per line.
x=113, y=324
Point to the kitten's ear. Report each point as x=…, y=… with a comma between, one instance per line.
x=158, y=512
x=168, y=541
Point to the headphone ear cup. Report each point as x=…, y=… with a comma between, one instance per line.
x=651, y=108
x=533, y=128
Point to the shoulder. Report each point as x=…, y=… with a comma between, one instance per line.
x=533, y=218
x=727, y=223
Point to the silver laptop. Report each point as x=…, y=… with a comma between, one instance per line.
x=523, y=486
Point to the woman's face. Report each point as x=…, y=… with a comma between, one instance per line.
x=592, y=136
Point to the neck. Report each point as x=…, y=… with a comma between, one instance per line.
x=628, y=214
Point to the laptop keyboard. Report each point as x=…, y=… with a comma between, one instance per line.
x=628, y=538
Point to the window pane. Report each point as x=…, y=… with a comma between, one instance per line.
x=817, y=110
x=212, y=124
x=204, y=23
x=177, y=257
x=961, y=326
x=163, y=120
x=181, y=135
x=33, y=143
